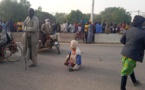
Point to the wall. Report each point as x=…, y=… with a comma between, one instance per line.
x=107, y=38
x=67, y=37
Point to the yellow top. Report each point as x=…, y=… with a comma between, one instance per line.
x=19, y=25
x=86, y=28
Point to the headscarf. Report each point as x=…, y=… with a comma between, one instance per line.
x=138, y=20
x=74, y=44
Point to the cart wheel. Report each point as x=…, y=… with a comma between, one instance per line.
x=13, y=52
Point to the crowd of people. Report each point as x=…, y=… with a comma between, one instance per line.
x=11, y=25
x=86, y=29
x=133, y=40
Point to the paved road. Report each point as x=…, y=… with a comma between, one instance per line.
x=51, y=74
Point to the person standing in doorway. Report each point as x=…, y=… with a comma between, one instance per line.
x=133, y=50
x=30, y=37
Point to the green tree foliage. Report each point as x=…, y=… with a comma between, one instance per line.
x=44, y=15
x=97, y=18
x=19, y=9
x=115, y=14
x=40, y=8
x=13, y=9
x=74, y=16
x=60, y=17
x=86, y=17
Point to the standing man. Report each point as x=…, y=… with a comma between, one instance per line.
x=58, y=27
x=98, y=27
x=10, y=25
x=133, y=50
x=65, y=26
x=86, y=32
x=30, y=37
x=90, y=33
x=103, y=26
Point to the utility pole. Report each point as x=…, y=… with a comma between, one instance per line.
x=92, y=14
x=138, y=12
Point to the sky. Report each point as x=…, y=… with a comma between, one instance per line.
x=65, y=6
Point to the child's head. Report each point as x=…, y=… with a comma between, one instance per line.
x=73, y=44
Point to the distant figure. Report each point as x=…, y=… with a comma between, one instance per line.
x=73, y=60
x=133, y=50
x=103, y=26
x=107, y=28
x=10, y=25
x=86, y=32
x=58, y=28
x=65, y=26
x=90, y=33
x=98, y=27
x=30, y=37
x=4, y=26
x=19, y=25
x=79, y=33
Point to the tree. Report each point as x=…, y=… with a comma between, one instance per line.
x=13, y=9
x=44, y=15
x=115, y=14
x=97, y=18
x=60, y=17
x=40, y=8
x=86, y=17
x=74, y=16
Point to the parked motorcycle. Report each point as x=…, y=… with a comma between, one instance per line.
x=51, y=40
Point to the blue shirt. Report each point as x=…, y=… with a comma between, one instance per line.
x=78, y=58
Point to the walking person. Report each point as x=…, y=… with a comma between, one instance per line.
x=133, y=50
x=30, y=37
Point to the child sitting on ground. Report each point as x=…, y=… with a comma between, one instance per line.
x=73, y=60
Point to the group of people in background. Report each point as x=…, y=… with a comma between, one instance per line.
x=98, y=27
x=86, y=30
x=11, y=25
